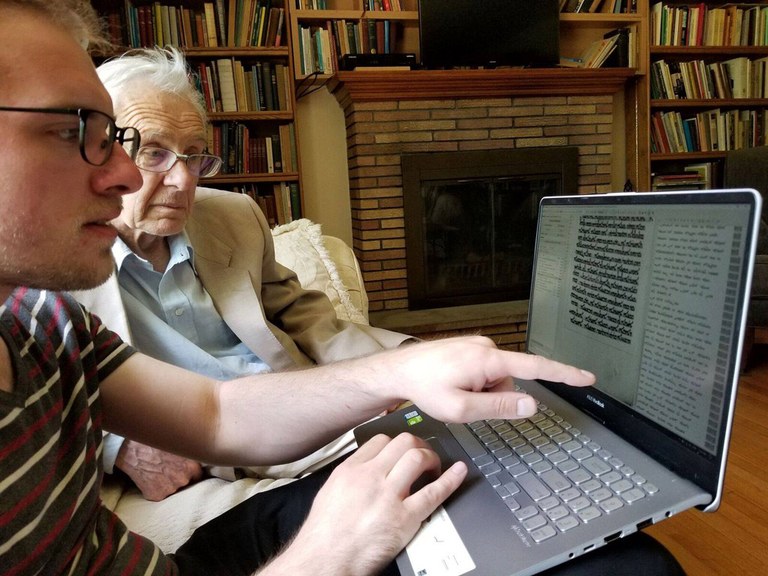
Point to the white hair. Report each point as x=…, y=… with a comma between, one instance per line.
x=163, y=69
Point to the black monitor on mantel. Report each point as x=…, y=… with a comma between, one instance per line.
x=489, y=33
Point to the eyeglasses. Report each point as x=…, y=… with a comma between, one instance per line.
x=154, y=159
x=97, y=133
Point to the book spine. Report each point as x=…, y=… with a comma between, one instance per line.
x=210, y=25
x=295, y=200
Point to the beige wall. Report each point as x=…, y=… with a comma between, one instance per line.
x=323, y=149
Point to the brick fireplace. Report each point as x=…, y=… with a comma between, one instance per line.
x=384, y=124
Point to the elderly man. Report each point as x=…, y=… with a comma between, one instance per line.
x=64, y=376
x=197, y=284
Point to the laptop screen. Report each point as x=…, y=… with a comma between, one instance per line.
x=646, y=291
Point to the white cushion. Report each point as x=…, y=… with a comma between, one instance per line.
x=300, y=247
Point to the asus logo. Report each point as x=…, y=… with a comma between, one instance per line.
x=595, y=401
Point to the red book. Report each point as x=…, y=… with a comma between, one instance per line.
x=205, y=87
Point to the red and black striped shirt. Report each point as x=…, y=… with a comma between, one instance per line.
x=51, y=517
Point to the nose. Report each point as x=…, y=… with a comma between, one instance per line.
x=119, y=175
x=180, y=175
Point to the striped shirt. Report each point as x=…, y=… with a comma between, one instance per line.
x=51, y=518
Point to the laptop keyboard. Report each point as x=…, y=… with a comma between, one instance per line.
x=550, y=475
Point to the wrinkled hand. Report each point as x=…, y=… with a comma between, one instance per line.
x=156, y=473
x=365, y=513
x=444, y=377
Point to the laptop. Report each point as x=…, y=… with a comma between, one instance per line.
x=649, y=291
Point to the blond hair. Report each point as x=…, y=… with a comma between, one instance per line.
x=77, y=17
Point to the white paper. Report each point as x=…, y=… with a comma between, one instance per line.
x=437, y=549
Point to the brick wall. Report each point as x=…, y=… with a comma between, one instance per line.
x=379, y=132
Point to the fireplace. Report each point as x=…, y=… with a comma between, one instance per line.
x=470, y=221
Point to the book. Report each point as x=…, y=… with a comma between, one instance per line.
x=280, y=207
x=274, y=87
x=187, y=27
x=226, y=82
x=213, y=76
x=295, y=200
x=244, y=23
x=231, y=24
x=289, y=163
x=594, y=55
x=269, y=154
x=221, y=23
x=280, y=31
x=705, y=172
x=619, y=56
x=595, y=6
x=205, y=88
x=238, y=73
x=271, y=29
x=606, y=47
x=266, y=85
x=258, y=70
x=282, y=86
x=681, y=181
x=571, y=62
x=739, y=72
x=277, y=157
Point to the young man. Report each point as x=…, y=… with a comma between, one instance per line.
x=197, y=284
x=63, y=376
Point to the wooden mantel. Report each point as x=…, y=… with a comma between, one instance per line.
x=382, y=86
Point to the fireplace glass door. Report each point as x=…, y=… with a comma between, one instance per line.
x=480, y=235
x=470, y=221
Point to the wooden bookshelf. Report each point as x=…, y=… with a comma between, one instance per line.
x=704, y=51
x=254, y=42
x=366, y=30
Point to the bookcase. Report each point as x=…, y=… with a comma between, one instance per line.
x=323, y=31
x=241, y=55
x=708, y=88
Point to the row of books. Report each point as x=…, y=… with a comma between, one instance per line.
x=372, y=5
x=604, y=6
x=696, y=79
x=244, y=152
x=707, y=131
x=618, y=48
x=280, y=202
x=224, y=23
x=320, y=48
x=228, y=85
x=702, y=25
x=697, y=176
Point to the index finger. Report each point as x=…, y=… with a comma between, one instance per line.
x=533, y=367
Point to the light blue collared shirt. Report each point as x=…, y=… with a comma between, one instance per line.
x=172, y=317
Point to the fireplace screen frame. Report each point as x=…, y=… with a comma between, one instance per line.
x=552, y=163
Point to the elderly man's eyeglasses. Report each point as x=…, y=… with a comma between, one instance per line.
x=154, y=159
x=97, y=133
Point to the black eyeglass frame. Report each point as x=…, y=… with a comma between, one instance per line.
x=185, y=158
x=115, y=133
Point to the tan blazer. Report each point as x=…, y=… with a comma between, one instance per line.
x=259, y=299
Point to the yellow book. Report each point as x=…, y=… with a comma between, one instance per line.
x=224, y=67
x=231, y=21
x=240, y=91
x=210, y=25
